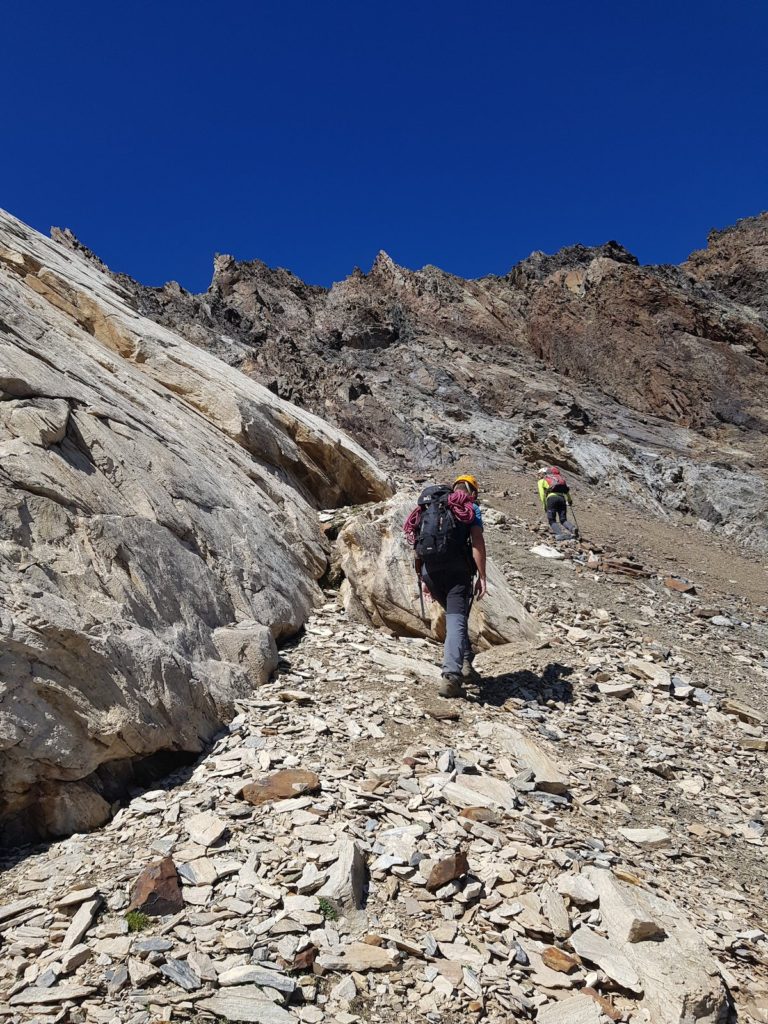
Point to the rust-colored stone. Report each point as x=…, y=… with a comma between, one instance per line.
x=603, y=1002
x=681, y=586
x=482, y=814
x=447, y=870
x=281, y=785
x=157, y=891
x=443, y=714
x=559, y=960
x=304, y=960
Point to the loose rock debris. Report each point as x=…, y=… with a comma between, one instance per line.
x=348, y=857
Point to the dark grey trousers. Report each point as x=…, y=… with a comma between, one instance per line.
x=557, y=508
x=452, y=589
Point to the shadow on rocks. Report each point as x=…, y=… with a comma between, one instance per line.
x=525, y=685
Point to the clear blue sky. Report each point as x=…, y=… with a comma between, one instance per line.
x=310, y=134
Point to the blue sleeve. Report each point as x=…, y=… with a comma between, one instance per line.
x=478, y=517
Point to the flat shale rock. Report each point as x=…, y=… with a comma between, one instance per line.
x=206, y=828
x=554, y=909
x=624, y=908
x=346, y=882
x=616, y=689
x=357, y=956
x=11, y=910
x=282, y=785
x=181, y=974
x=657, y=674
x=81, y=922
x=577, y=1009
x=655, y=838
x=608, y=956
x=34, y=996
x=480, y=790
x=415, y=667
x=680, y=978
x=531, y=756
x=246, y=1003
x=251, y=974
x=70, y=959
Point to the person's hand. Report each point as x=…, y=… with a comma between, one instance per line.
x=426, y=591
x=481, y=587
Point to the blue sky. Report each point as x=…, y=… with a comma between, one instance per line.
x=312, y=134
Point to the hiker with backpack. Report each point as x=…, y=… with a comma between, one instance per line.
x=446, y=531
x=555, y=497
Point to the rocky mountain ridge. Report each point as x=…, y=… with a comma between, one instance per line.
x=648, y=380
x=580, y=841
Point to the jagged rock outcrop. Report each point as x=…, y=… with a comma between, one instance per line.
x=652, y=378
x=735, y=262
x=679, y=977
x=380, y=586
x=158, y=534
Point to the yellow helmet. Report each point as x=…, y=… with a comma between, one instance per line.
x=467, y=478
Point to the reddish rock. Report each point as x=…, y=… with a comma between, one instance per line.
x=447, y=870
x=281, y=785
x=482, y=814
x=443, y=714
x=157, y=891
x=681, y=586
x=603, y=1002
x=304, y=960
x=559, y=960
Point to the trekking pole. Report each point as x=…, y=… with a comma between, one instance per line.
x=575, y=521
x=421, y=596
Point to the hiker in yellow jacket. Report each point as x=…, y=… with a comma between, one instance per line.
x=555, y=497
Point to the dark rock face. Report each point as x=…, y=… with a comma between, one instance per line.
x=643, y=377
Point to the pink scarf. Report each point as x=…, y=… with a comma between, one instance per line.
x=459, y=502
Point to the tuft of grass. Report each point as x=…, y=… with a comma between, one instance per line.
x=137, y=920
x=327, y=909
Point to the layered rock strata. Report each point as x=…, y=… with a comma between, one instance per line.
x=158, y=534
x=648, y=380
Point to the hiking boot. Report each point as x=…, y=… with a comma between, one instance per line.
x=450, y=685
x=469, y=673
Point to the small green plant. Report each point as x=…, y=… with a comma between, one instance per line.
x=327, y=909
x=136, y=920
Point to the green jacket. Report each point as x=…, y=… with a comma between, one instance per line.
x=544, y=493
